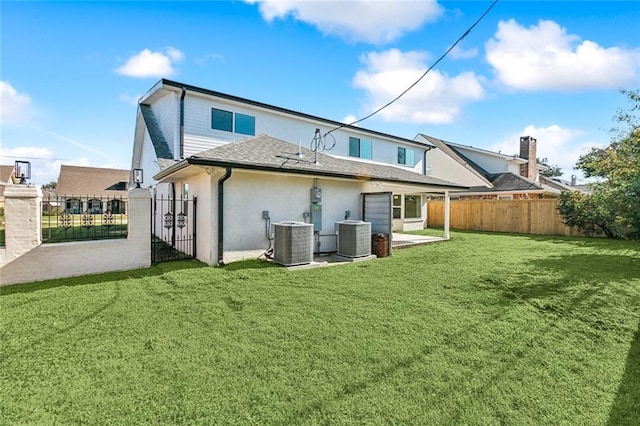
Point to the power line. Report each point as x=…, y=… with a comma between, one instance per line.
x=466, y=33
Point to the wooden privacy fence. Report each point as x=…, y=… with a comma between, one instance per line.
x=516, y=216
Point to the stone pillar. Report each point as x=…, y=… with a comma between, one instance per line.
x=23, y=218
x=447, y=206
x=139, y=217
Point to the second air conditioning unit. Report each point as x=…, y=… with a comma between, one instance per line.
x=354, y=238
x=293, y=243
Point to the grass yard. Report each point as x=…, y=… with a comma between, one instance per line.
x=484, y=329
x=53, y=230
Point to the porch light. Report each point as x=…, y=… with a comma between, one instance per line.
x=23, y=171
x=137, y=177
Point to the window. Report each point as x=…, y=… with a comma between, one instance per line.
x=412, y=206
x=361, y=148
x=224, y=120
x=407, y=206
x=406, y=156
x=397, y=206
x=221, y=120
x=94, y=205
x=245, y=124
x=73, y=205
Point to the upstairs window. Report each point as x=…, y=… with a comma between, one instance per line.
x=224, y=120
x=360, y=148
x=406, y=156
x=221, y=120
x=245, y=124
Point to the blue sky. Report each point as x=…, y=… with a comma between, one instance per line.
x=72, y=71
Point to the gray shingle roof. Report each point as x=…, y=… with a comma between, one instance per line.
x=270, y=154
x=155, y=133
x=507, y=182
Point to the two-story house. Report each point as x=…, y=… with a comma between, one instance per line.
x=250, y=163
x=492, y=175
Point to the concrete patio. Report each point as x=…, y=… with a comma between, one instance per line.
x=408, y=240
x=399, y=241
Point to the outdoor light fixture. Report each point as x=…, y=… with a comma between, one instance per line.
x=23, y=171
x=137, y=177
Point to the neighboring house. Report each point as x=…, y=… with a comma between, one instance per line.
x=251, y=163
x=6, y=178
x=492, y=175
x=92, y=189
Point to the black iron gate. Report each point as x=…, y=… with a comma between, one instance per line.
x=173, y=228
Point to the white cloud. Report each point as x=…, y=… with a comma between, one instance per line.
x=15, y=106
x=132, y=100
x=349, y=119
x=44, y=166
x=437, y=99
x=151, y=64
x=201, y=60
x=27, y=152
x=560, y=146
x=174, y=54
x=461, y=53
x=374, y=21
x=41, y=158
x=545, y=56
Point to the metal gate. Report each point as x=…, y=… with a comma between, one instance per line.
x=173, y=228
x=377, y=208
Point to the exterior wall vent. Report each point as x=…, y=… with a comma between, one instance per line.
x=354, y=238
x=293, y=243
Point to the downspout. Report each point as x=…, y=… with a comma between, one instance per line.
x=221, y=181
x=424, y=159
x=182, y=95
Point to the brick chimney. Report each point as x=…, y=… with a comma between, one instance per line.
x=528, y=152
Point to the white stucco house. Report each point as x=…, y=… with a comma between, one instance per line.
x=251, y=164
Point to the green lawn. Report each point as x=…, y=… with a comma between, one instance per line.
x=483, y=329
x=53, y=230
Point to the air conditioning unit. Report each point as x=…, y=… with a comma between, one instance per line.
x=354, y=238
x=293, y=243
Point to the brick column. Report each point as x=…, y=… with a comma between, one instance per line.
x=139, y=217
x=22, y=204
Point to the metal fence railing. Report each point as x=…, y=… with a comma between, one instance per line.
x=78, y=218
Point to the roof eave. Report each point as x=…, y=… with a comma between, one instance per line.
x=172, y=85
x=196, y=161
x=235, y=165
x=171, y=170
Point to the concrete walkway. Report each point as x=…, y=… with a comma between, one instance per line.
x=407, y=240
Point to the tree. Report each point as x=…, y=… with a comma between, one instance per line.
x=550, y=170
x=50, y=185
x=614, y=206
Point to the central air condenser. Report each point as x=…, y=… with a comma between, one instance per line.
x=354, y=238
x=293, y=243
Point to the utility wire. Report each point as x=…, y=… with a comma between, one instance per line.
x=466, y=33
